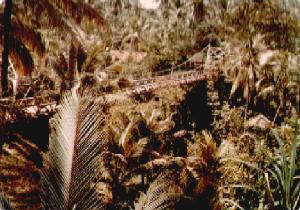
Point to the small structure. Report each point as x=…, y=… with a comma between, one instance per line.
x=125, y=56
x=259, y=121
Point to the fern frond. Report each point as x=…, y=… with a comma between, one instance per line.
x=73, y=155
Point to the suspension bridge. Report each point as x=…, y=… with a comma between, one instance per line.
x=199, y=67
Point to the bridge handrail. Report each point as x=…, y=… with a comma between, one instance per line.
x=186, y=65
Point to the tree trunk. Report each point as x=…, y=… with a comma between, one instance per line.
x=6, y=46
x=178, y=4
x=117, y=7
x=165, y=3
x=198, y=10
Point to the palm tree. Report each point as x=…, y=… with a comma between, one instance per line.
x=23, y=41
x=25, y=38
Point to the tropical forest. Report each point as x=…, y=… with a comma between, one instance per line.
x=150, y=105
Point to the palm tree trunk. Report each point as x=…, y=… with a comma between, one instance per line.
x=165, y=3
x=198, y=10
x=178, y=3
x=117, y=7
x=6, y=46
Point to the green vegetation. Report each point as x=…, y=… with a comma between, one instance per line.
x=284, y=170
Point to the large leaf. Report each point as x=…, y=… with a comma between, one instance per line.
x=74, y=155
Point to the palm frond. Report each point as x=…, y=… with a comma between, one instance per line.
x=73, y=155
x=23, y=40
x=113, y=166
x=55, y=18
x=30, y=38
x=79, y=11
x=140, y=151
x=163, y=193
x=21, y=58
x=124, y=140
x=19, y=165
x=89, y=63
x=44, y=7
x=61, y=66
x=4, y=203
x=112, y=169
x=209, y=149
x=81, y=57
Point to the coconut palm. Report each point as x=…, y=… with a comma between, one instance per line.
x=23, y=42
x=65, y=14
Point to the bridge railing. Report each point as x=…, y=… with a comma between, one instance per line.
x=211, y=54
